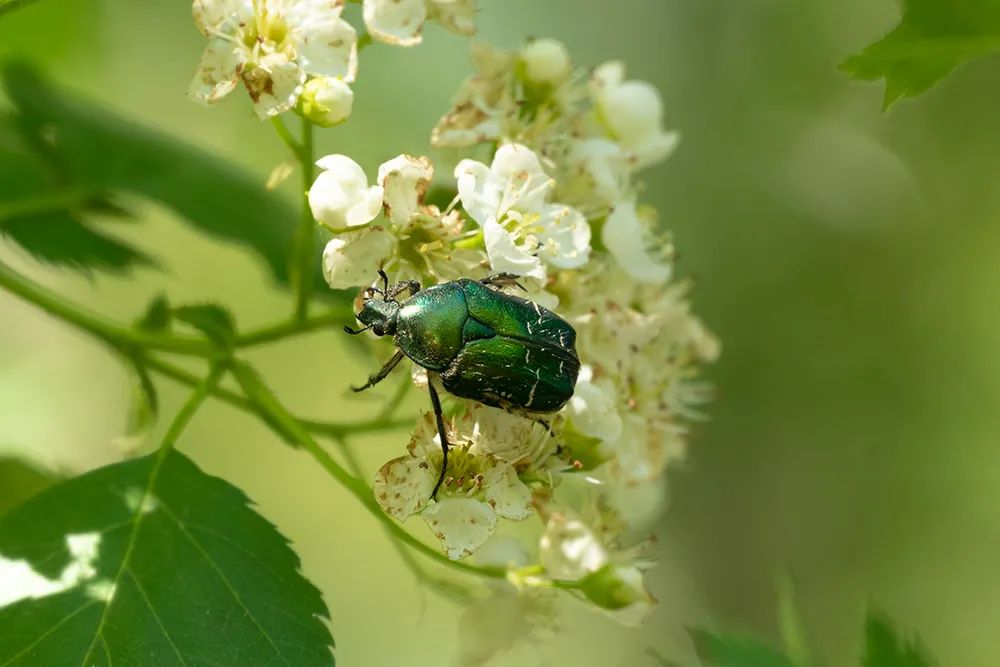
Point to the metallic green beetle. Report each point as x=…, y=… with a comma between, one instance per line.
x=483, y=344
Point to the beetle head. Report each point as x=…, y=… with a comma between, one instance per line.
x=379, y=315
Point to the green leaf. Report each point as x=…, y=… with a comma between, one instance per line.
x=883, y=648
x=51, y=220
x=932, y=39
x=95, y=150
x=716, y=650
x=157, y=315
x=19, y=481
x=209, y=318
x=145, y=403
x=153, y=562
x=11, y=5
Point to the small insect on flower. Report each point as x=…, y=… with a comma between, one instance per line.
x=479, y=342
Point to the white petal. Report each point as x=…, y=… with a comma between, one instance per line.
x=506, y=257
x=654, y=148
x=478, y=190
x=328, y=46
x=402, y=487
x=274, y=84
x=395, y=21
x=565, y=237
x=606, y=165
x=546, y=61
x=215, y=16
x=568, y=549
x=458, y=16
x=507, y=494
x=524, y=183
x=462, y=524
x=624, y=236
x=593, y=409
x=216, y=76
x=351, y=260
x=340, y=197
x=404, y=179
x=326, y=101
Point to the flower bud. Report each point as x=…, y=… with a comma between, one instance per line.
x=546, y=61
x=326, y=101
x=618, y=588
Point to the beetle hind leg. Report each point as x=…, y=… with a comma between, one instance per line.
x=382, y=373
x=436, y=403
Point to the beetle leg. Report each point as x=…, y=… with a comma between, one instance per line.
x=436, y=403
x=383, y=372
x=502, y=280
x=399, y=288
x=385, y=281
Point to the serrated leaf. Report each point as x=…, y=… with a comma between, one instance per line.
x=209, y=318
x=157, y=315
x=717, y=650
x=96, y=150
x=153, y=562
x=883, y=648
x=932, y=39
x=48, y=219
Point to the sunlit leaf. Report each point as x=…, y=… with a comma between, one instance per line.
x=94, y=150
x=153, y=562
x=718, y=650
x=211, y=319
x=884, y=648
x=932, y=39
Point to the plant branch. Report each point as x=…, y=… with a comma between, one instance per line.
x=282, y=330
x=304, y=244
x=111, y=333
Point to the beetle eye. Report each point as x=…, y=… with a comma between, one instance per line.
x=368, y=293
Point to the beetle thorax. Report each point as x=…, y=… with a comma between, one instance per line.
x=380, y=315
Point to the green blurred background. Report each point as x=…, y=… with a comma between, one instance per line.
x=848, y=260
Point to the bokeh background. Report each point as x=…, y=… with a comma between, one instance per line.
x=849, y=261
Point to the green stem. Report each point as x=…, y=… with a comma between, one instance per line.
x=304, y=245
x=275, y=332
x=278, y=419
x=287, y=138
x=330, y=429
x=114, y=335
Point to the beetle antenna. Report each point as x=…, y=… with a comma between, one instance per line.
x=355, y=332
x=385, y=282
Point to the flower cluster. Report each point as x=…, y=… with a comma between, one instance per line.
x=303, y=54
x=557, y=205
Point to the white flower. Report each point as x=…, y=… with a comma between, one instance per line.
x=326, y=101
x=482, y=104
x=569, y=549
x=404, y=180
x=633, y=111
x=341, y=197
x=509, y=200
x=348, y=262
x=478, y=490
x=624, y=235
x=401, y=22
x=546, y=61
x=602, y=170
x=594, y=408
x=272, y=45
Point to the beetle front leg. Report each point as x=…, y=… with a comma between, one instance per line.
x=383, y=372
x=502, y=280
x=436, y=403
x=399, y=288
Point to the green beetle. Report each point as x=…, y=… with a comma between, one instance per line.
x=483, y=344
